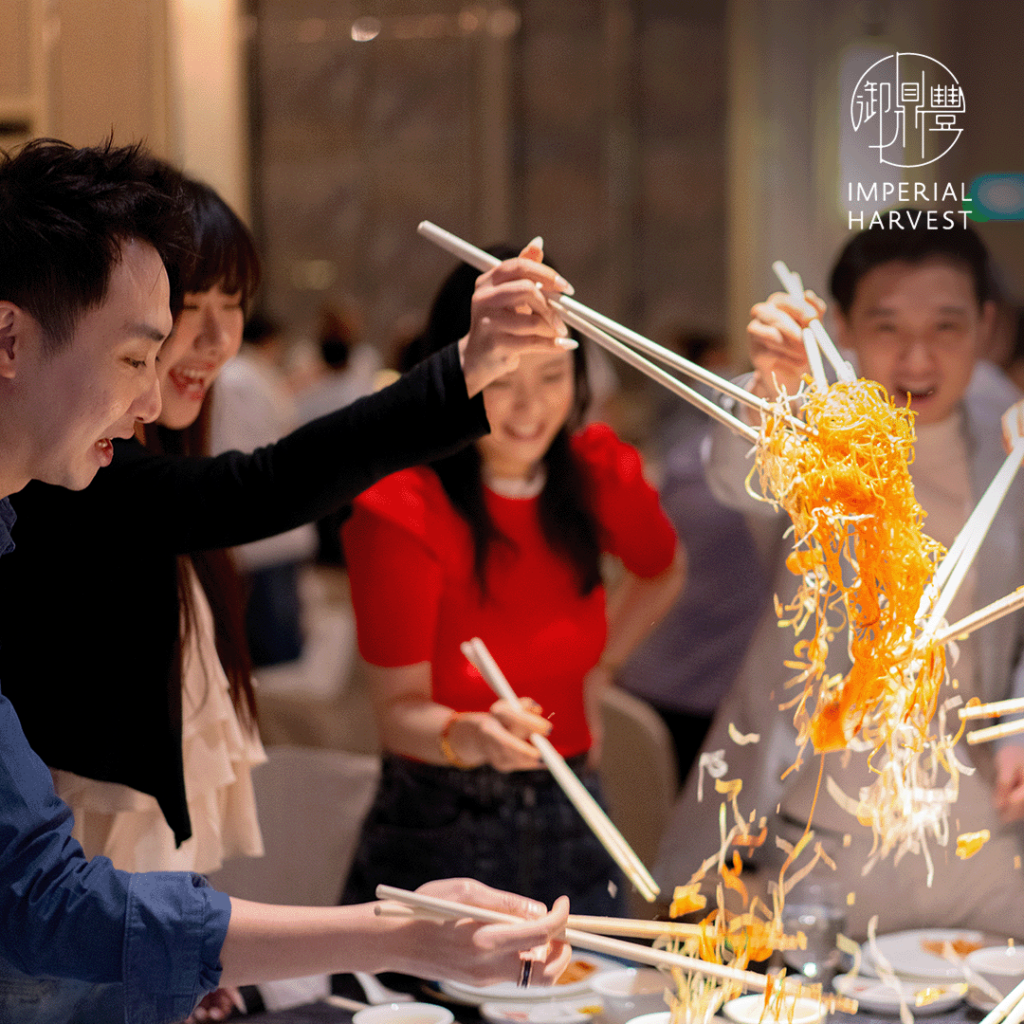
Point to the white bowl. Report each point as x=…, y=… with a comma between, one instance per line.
x=631, y=992
x=404, y=1013
x=1001, y=966
x=750, y=1010
x=662, y=1017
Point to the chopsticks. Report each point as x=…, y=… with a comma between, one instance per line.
x=1011, y=1008
x=633, y=928
x=982, y=617
x=815, y=337
x=617, y=948
x=953, y=568
x=995, y=732
x=600, y=824
x=607, y=334
x=994, y=709
x=624, y=927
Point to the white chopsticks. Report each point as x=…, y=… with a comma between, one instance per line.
x=815, y=336
x=953, y=568
x=617, y=948
x=601, y=329
x=994, y=709
x=624, y=927
x=982, y=617
x=600, y=824
x=1011, y=1008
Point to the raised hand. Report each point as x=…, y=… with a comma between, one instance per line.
x=775, y=337
x=511, y=315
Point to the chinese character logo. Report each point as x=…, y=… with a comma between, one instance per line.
x=908, y=103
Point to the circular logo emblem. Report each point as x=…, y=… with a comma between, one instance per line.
x=907, y=104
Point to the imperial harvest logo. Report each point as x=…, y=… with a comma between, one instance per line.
x=908, y=105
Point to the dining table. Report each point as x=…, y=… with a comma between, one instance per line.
x=422, y=991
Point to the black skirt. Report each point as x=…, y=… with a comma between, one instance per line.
x=511, y=830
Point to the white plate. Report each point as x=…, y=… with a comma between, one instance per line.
x=750, y=1010
x=873, y=995
x=558, y=1011
x=510, y=992
x=909, y=958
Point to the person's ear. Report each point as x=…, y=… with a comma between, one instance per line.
x=10, y=342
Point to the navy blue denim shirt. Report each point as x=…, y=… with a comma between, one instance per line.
x=158, y=934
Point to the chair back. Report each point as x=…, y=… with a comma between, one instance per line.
x=638, y=772
x=311, y=804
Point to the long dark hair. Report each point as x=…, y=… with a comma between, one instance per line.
x=223, y=254
x=564, y=505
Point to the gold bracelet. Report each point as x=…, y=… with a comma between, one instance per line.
x=446, y=746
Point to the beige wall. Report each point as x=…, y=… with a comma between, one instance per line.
x=209, y=136
x=108, y=72
x=169, y=72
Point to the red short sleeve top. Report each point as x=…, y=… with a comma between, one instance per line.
x=410, y=559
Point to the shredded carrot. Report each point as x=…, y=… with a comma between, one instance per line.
x=864, y=565
x=863, y=559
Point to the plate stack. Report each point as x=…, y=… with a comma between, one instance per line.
x=938, y=966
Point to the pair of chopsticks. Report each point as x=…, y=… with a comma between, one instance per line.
x=994, y=709
x=961, y=554
x=624, y=343
x=623, y=927
x=816, y=339
x=611, y=838
x=616, y=947
x=947, y=580
x=1009, y=1011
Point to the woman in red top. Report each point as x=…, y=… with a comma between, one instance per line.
x=504, y=541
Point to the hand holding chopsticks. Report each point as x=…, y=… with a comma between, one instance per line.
x=607, y=334
x=618, y=948
x=511, y=315
x=817, y=342
x=611, y=838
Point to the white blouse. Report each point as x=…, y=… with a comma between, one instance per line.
x=218, y=751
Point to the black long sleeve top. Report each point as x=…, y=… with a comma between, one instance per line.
x=88, y=634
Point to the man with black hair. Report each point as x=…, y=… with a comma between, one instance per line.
x=913, y=309
x=84, y=309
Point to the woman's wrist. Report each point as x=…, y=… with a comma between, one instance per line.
x=448, y=752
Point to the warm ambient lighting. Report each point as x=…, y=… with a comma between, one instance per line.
x=365, y=29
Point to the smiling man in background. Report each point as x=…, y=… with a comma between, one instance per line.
x=914, y=310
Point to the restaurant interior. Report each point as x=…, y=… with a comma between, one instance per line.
x=668, y=151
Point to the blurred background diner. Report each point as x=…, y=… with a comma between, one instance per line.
x=667, y=150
